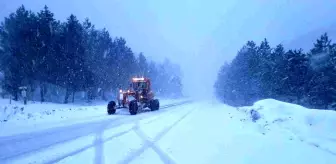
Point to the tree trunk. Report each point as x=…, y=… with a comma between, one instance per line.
x=16, y=96
x=298, y=98
x=42, y=91
x=73, y=96
x=103, y=95
x=67, y=94
x=90, y=94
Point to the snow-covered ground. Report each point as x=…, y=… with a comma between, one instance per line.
x=198, y=132
x=313, y=126
x=15, y=117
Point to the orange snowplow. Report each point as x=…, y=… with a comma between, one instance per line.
x=138, y=97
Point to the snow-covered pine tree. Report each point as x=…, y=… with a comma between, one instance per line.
x=322, y=90
x=278, y=72
x=17, y=39
x=70, y=55
x=45, y=36
x=142, y=65
x=266, y=68
x=296, y=70
x=74, y=50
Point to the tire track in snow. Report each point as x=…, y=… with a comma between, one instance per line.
x=163, y=156
x=305, y=140
x=98, y=142
x=60, y=158
x=152, y=144
x=57, y=130
x=23, y=142
x=317, y=146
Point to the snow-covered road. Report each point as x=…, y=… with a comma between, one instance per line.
x=34, y=141
x=199, y=132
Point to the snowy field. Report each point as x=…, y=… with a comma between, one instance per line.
x=198, y=132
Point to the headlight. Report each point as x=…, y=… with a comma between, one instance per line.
x=141, y=97
x=120, y=90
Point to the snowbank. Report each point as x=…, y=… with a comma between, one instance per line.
x=18, y=111
x=316, y=127
x=18, y=118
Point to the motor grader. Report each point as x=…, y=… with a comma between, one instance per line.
x=138, y=97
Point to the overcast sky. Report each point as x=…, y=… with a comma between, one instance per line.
x=199, y=35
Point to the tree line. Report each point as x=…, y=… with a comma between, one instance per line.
x=260, y=72
x=50, y=56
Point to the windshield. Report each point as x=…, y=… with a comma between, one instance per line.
x=139, y=86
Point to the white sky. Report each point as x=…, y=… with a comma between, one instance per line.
x=197, y=34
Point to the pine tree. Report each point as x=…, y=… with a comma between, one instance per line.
x=296, y=70
x=45, y=38
x=74, y=50
x=222, y=85
x=279, y=75
x=104, y=41
x=153, y=75
x=246, y=75
x=91, y=58
x=322, y=45
x=306, y=79
x=37, y=50
x=267, y=68
x=143, y=66
x=322, y=87
x=17, y=41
